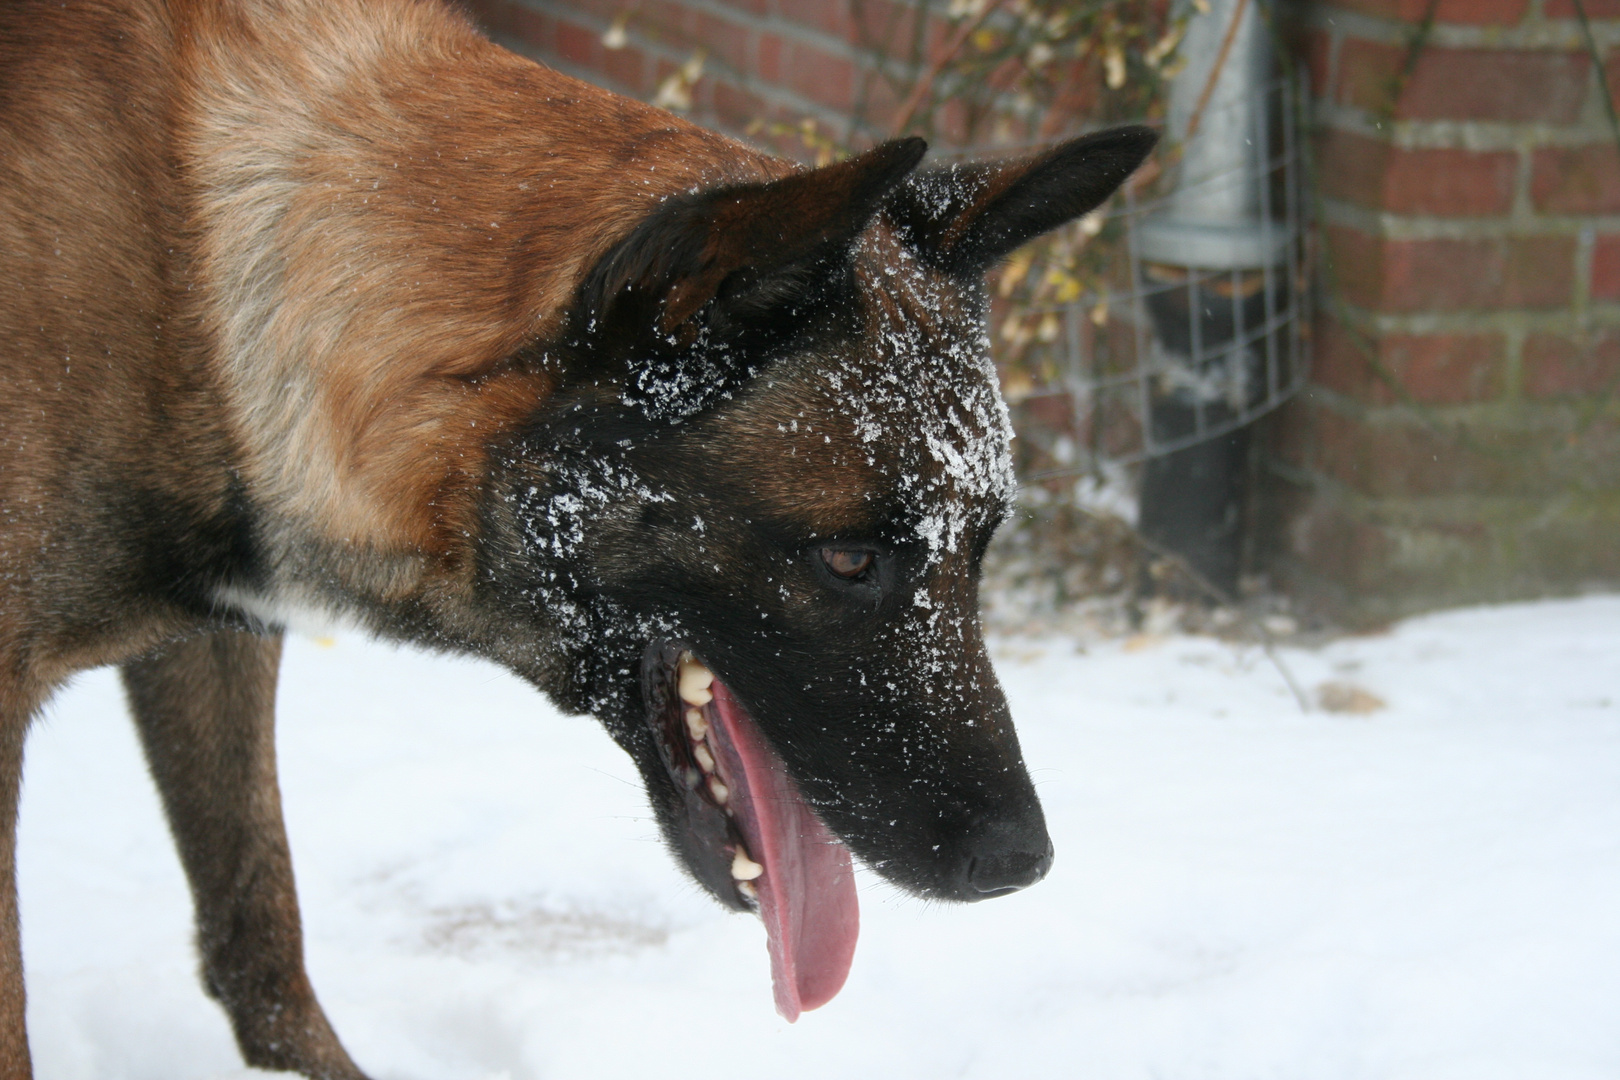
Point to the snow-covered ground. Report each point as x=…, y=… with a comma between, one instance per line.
x=1242, y=890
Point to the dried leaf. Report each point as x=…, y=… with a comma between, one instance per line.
x=1344, y=697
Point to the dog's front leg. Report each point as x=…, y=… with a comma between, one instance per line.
x=206, y=712
x=14, y=1063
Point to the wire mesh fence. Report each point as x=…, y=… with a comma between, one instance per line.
x=1175, y=348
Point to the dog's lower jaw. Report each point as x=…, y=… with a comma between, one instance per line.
x=700, y=829
x=747, y=833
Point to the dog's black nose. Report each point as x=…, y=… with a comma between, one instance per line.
x=1007, y=856
x=1008, y=871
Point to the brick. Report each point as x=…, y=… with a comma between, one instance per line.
x=885, y=25
x=1471, y=12
x=1510, y=85
x=1448, y=182
x=880, y=100
x=830, y=17
x=1404, y=460
x=1441, y=182
x=667, y=20
x=1595, y=9
x=1606, y=268
x=1429, y=369
x=753, y=7
x=770, y=52
x=821, y=76
x=953, y=122
x=1517, y=86
x=514, y=21
x=736, y=107
x=628, y=68
x=1368, y=74
x=577, y=45
x=1452, y=275
x=1354, y=264
x=1570, y=545
x=1444, y=369
x=1557, y=367
x=605, y=10
x=1318, y=53
x=1340, y=547
x=1339, y=362
x=1529, y=452
x=1443, y=556
x=728, y=43
x=1577, y=180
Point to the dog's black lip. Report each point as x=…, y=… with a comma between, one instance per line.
x=708, y=835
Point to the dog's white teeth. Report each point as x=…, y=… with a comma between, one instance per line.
x=705, y=759
x=697, y=725
x=694, y=682
x=720, y=792
x=748, y=890
x=743, y=868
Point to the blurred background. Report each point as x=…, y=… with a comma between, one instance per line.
x=1347, y=349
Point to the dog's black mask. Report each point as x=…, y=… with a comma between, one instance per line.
x=776, y=457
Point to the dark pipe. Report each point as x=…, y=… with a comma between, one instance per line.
x=1193, y=500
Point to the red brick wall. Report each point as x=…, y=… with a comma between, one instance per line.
x=1461, y=441
x=780, y=61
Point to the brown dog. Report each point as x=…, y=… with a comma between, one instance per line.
x=334, y=305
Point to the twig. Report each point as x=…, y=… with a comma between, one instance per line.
x=926, y=83
x=1268, y=643
x=1414, y=52
x=1602, y=75
x=1215, y=71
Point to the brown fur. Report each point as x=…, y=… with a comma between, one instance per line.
x=205, y=709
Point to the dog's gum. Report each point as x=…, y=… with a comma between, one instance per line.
x=743, y=868
x=705, y=759
x=697, y=725
x=694, y=682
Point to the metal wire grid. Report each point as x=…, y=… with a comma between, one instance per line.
x=1151, y=387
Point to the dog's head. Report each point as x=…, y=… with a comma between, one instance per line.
x=756, y=509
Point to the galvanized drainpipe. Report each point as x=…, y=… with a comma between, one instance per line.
x=1212, y=231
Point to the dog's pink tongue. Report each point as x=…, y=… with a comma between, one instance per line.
x=807, y=893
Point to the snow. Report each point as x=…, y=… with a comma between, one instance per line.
x=1429, y=890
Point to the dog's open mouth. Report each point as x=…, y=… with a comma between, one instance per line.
x=751, y=837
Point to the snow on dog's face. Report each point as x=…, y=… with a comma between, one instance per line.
x=756, y=512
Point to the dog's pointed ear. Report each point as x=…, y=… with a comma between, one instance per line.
x=750, y=247
x=964, y=218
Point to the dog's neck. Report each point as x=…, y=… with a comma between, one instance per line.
x=378, y=231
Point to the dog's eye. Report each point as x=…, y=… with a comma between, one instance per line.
x=847, y=562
